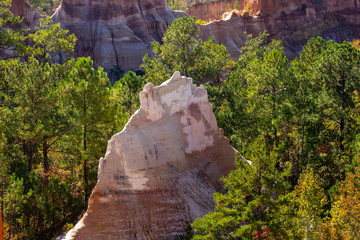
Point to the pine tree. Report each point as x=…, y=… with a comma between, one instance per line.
x=245, y=211
x=182, y=51
x=88, y=97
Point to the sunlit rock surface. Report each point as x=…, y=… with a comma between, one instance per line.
x=160, y=172
x=291, y=21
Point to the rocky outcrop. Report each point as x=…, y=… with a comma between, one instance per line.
x=115, y=32
x=29, y=14
x=160, y=172
x=291, y=21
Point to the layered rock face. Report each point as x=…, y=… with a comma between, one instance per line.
x=292, y=21
x=115, y=32
x=160, y=172
x=30, y=15
x=119, y=32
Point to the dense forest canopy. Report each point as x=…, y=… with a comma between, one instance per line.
x=295, y=122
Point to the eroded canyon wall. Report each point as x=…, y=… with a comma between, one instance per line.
x=115, y=32
x=291, y=21
x=160, y=172
x=119, y=33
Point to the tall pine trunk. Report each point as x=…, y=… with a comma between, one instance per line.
x=85, y=168
x=45, y=157
x=30, y=153
x=85, y=154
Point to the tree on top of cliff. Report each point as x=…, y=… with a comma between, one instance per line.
x=181, y=51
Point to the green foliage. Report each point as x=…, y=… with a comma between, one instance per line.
x=33, y=122
x=88, y=95
x=31, y=113
x=311, y=199
x=252, y=189
x=37, y=208
x=306, y=105
x=177, y=4
x=156, y=71
x=250, y=101
x=249, y=7
x=55, y=120
x=201, y=22
x=184, y=4
x=45, y=7
x=49, y=41
x=297, y=122
x=179, y=48
x=308, y=111
x=345, y=213
x=322, y=96
x=10, y=37
x=237, y=5
x=128, y=89
x=302, y=209
x=181, y=51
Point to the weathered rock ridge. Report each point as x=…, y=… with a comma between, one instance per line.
x=115, y=32
x=292, y=21
x=159, y=173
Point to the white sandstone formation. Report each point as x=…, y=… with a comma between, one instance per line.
x=160, y=172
